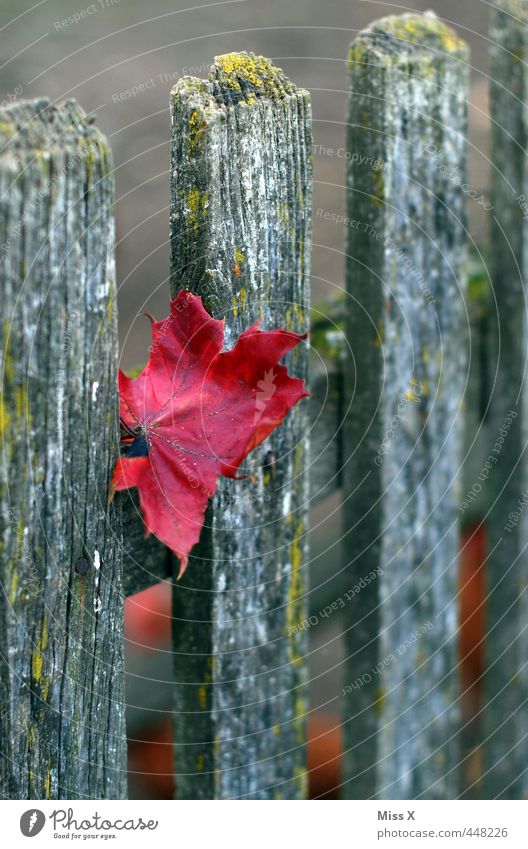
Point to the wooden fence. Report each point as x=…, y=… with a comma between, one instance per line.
x=386, y=421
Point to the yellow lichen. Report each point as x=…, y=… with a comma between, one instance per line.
x=22, y=404
x=299, y=314
x=300, y=714
x=416, y=29
x=196, y=206
x=380, y=698
x=357, y=53
x=110, y=309
x=239, y=260
x=239, y=301
x=5, y=418
x=284, y=214
x=47, y=783
x=202, y=696
x=257, y=71
x=37, y=657
x=301, y=779
x=298, y=459
x=378, y=341
x=249, y=67
x=13, y=589
x=197, y=125
x=295, y=608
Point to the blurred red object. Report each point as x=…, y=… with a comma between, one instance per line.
x=324, y=755
x=150, y=763
x=148, y=616
x=472, y=613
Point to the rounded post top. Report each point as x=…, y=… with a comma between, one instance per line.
x=409, y=36
x=40, y=125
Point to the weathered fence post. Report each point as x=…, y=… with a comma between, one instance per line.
x=240, y=234
x=506, y=681
x=61, y=632
x=405, y=247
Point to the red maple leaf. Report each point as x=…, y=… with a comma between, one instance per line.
x=194, y=413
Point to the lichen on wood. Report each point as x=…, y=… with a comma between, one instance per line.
x=408, y=89
x=61, y=622
x=240, y=237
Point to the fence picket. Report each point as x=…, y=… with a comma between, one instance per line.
x=61, y=627
x=506, y=679
x=405, y=245
x=240, y=233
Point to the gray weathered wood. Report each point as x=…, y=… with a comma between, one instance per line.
x=506, y=682
x=240, y=234
x=61, y=632
x=405, y=246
